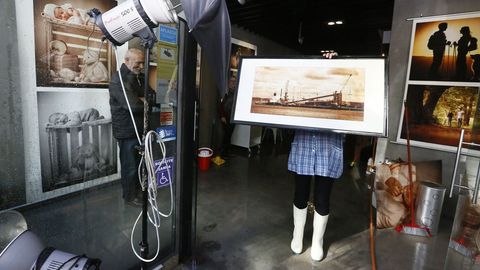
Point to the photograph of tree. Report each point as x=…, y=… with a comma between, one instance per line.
x=446, y=50
x=438, y=113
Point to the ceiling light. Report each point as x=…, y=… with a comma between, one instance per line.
x=327, y=51
x=339, y=22
x=331, y=23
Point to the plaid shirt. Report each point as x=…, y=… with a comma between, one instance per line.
x=317, y=153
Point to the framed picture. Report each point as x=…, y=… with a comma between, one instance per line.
x=69, y=49
x=443, y=81
x=344, y=95
x=445, y=48
x=76, y=139
x=238, y=50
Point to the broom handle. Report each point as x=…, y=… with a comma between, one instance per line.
x=409, y=162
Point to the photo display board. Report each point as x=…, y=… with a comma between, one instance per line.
x=443, y=82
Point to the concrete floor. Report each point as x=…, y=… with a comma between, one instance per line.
x=244, y=221
x=96, y=223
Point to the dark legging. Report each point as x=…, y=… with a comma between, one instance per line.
x=323, y=188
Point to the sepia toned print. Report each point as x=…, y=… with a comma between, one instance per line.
x=69, y=49
x=343, y=94
x=331, y=93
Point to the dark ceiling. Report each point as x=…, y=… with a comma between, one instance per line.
x=281, y=20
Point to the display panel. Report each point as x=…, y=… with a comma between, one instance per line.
x=443, y=79
x=345, y=95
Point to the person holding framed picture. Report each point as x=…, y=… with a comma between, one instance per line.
x=317, y=155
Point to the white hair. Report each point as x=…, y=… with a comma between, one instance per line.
x=133, y=51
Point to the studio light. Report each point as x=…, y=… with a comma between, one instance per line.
x=207, y=20
x=21, y=249
x=132, y=18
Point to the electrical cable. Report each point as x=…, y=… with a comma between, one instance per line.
x=151, y=183
x=125, y=94
x=152, y=190
x=78, y=257
x=88, y=47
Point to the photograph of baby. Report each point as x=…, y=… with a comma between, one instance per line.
x=69, y=51
x=76, y=141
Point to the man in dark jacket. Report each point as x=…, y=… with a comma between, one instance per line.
x=123, y=129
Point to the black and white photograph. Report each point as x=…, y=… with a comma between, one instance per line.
x=76, y=142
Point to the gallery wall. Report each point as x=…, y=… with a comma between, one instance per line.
x=399, y=56
x=53, y=152
x=12, y=173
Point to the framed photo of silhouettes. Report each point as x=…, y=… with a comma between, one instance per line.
x=443, y=80
x=345, y=94
x=446, y=48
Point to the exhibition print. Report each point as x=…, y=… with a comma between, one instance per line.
x=438, y=113
x=239, y=49
x=76, y=140
x=446, y=49
x=345, y=94
x=69, y=50
x=441, y=89
x=331, y=93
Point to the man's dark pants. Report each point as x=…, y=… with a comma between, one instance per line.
x=129, y=160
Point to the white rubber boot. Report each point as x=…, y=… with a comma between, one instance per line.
x=299, y=219
x=319, y=226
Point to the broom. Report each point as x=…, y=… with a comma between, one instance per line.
x=411, y=228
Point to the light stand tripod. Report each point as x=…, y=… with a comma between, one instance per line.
x=148, y=39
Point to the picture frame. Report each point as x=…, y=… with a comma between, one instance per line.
x=346, y=95
x=442, y=82
x=69, y=49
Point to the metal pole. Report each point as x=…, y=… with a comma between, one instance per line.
x=146, y=125
x=409, y=162
x=459, y=151
x=477, y=185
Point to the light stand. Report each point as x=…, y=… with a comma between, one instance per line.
x=148, y=39
x=209, y=23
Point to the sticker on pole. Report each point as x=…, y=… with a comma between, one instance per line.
x=164, y=171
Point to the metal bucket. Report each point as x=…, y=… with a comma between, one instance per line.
x=429, y=205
